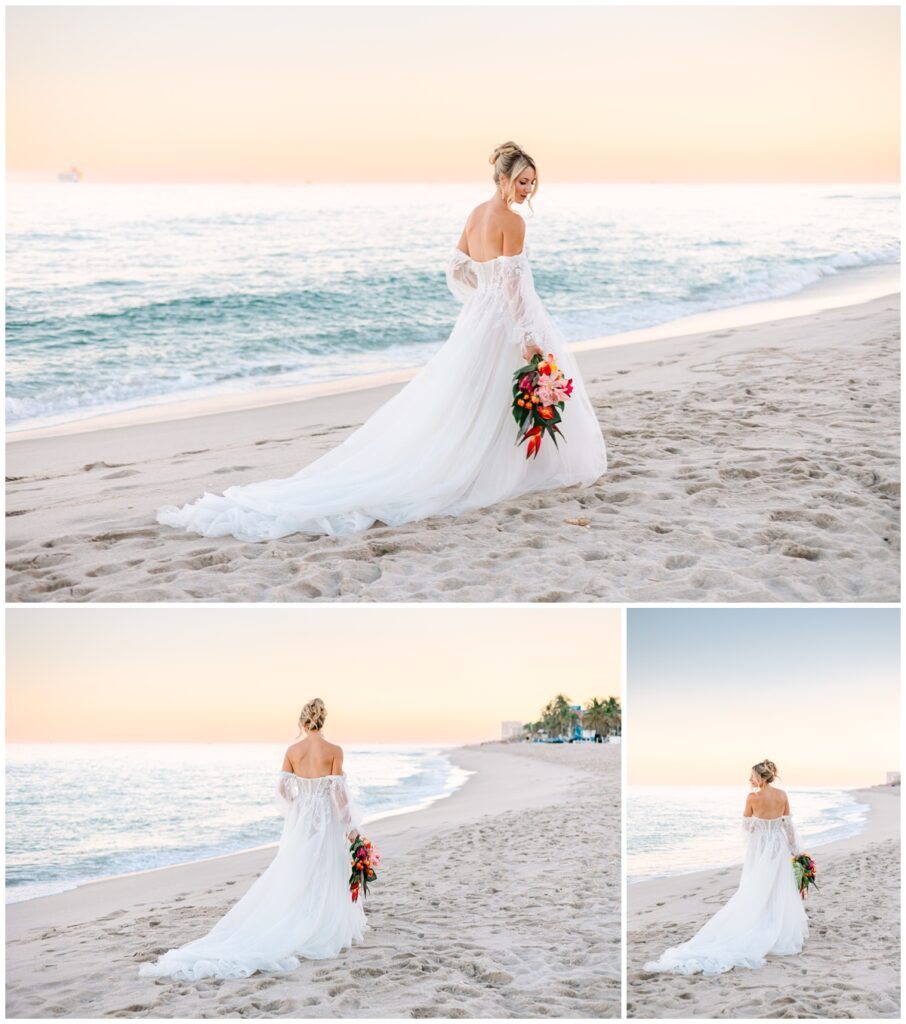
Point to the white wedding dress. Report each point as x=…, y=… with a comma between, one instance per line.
x=443, y=445
x=299, y=907
x=765, y=914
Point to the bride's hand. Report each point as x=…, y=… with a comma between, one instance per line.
x=531, y=349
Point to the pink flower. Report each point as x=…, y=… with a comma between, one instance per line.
x=552, y=390
x=526, y=383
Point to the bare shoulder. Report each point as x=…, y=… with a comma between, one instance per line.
x=782, y=793
x=336, y=759
x=513, y=233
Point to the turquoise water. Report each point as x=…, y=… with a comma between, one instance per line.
x=675, y=830
x=124, y=295
x=76, y=813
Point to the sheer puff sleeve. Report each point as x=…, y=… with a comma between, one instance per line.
x=792, y=836
x=287, y=791
x=529, y=320
x=347, y=812
x=461, y=278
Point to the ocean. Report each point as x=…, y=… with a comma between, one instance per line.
x=77, y=813
x=127, y=295
x=675, y=830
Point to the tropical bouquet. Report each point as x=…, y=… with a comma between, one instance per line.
x=364, y=861
x=540, y=393
x=806, y=870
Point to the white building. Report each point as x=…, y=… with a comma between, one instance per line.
x=510, y=731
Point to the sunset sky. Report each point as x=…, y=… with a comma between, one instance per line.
x=710, y=692
x=421, y=93
x=387, y=675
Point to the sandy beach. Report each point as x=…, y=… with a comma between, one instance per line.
x=486, y=908
x=849, y=967
x=755, y=463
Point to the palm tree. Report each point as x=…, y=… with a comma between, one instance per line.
x=558, y=717
x=595, y=718
x=616, y=715
x=602, y=716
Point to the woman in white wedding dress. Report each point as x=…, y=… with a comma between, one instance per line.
x=445, y=443
x=766, y=914
x=301, y=905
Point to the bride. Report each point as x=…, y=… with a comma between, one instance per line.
x=301, y=905
x=765, y=914
x=445, y=443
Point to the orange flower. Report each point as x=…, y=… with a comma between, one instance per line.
x=546, y=413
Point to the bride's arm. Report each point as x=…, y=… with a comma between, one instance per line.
x=348, y=813
x=789, y=830
x=461, y=279
x=748, y=813
x=519, y=291
x=285, y=791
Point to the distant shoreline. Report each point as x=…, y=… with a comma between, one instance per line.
x=840, y=972
x=856, y=829
x=435, y=914
x=847, y=287
x=63, y=885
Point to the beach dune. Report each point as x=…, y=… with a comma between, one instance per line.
x=502, y=900
x=849, y=967
x=756, y=463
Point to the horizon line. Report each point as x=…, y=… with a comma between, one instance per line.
x=13, y=179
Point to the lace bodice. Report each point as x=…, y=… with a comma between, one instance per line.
x=315, y=802
x=773, y=832
x=504, y=284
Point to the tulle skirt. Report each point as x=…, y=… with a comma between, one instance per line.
x=764, y=916
x=300, y=907
x=443, y=445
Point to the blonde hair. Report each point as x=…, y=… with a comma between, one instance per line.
x=765, y=770
x=510, y=159
x=313, y=714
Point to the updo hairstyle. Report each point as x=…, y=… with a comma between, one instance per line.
x=313, y=714
x=765, y=770
x=510, y=159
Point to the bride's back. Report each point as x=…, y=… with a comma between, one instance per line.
x=313, y=757
x=491, y=232
x=769, y=803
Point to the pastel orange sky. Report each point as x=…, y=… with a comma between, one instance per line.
x=388, y=675
x=424, y=93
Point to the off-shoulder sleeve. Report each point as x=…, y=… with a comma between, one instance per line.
x=792, y=836
x=287, y=791
x=461, y=278
x=525, y=307
x=347, y=811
